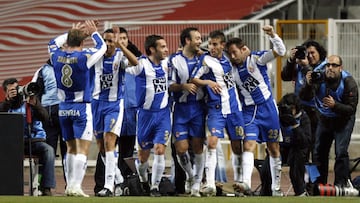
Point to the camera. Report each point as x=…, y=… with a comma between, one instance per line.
x=317, y=76
x=301, y=52
x=29, y=89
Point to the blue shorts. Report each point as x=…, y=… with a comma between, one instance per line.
x=153, y=127
x=233, y=123
x=76, y=121
x=129, y=122
x=188, y=120
x=262, y=122
x=107, y=117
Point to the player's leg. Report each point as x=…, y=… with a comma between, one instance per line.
x=161, y=137
x=114, y=112
x=197, y=130
x=181, y=136
x=83, y=130
x=216, y=124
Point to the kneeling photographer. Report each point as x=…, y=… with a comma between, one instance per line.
x=336, y=98
x=307, y=57
x=16, y=101
x=296, y=132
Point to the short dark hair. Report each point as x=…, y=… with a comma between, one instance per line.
x=291, y=99
x=9, y=81
x=237, y=41
x=218, y=34
x=123, y=30
x=110, y=30
x=151, y=41
x=185, y=33
x=322, y=51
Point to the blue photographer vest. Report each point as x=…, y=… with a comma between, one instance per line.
x=324, y=91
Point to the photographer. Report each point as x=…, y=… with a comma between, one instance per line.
x=296, y=130
x=336, y=98
x=307, y=57
x=16, y=99
x=45, y=78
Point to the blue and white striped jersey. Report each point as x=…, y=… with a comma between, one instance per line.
x=151, y=84
x=181, y=69
x=252, y=78
x=109, y=73
x=72, y=69
x=221, y=72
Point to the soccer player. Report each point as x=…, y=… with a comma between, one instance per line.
x=126, y=141
x=72, y=71
x=153, y=126
x=188, y=112
x=259, y=107
x=224, y=107
x=108, y=102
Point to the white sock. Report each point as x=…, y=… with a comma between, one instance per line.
x=118, y=177
x=275, y=169
x=210, y=165
x=79, y=169
x=236, y=163
x=141, y=169
x=220, y=169
x=198, y=168
x=185, y=163
x=70, y=161
x=109, y=170
x=247, y=167
x=158, y=168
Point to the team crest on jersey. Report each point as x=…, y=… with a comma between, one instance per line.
x=251, y=69
x=116, y=67
x=204, y=63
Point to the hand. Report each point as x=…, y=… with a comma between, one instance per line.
x=287, y=120
x=269, y=30
x=78, y=26
x=117, y=42
x=190, y=87
x=11, y=93
x=328, y=101
x=292, y=54
x=90, y=27
x=215, y=87
x=308, y=77
x=303, y=62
